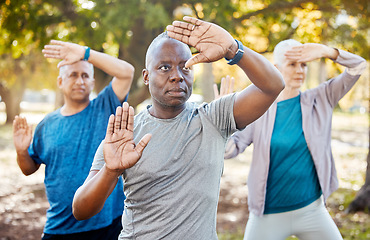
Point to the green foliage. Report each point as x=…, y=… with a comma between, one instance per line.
x=125, y=28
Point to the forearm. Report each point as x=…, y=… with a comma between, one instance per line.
x=355, y=64
x=89, y=199
x=111, y=65
x=26, y=163
x=122, y=72
x=329, y=52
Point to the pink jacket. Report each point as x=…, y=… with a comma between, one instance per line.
x=317, y=106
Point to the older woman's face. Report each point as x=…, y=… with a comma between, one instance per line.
x=294, y=73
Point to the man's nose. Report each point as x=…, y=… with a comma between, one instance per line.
x=177, y=75
x=80, y=80
x=299, y=68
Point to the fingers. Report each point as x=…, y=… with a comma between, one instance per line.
x=182, y=30
x=19, y=123
x=215, y=91
x=181, y=34
x=231, y=82
x=118, y=120
x=192, y=20
x=16, y=124
x=130, y=121
x=110, y=127
x=224, y=86
x=227, y=85
x=57, y=42
x=52, y=50
x=127, y=121
x=125, y=114
x=143, y=143
x=198, y=58
x=124, y=119
x=183, y=27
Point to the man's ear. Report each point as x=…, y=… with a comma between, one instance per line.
x=59, y=81
x=146, y=76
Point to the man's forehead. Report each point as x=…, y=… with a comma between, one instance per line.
x=81, y=66
x=173, y=48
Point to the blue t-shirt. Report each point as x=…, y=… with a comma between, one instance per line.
x=292, y=181
x=67, y=145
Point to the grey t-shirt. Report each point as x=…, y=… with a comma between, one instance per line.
x=172, y=191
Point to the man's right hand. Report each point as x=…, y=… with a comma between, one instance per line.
x=212, y=41
x=22, y=134
x=120, y=151
x=68, y=52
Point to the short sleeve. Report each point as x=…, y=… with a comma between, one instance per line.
x=220, y=113
x=98, y=161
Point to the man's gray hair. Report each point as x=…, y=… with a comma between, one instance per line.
x=281, y=48
x=63, y=69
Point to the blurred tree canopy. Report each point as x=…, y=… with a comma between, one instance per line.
x=125, y=28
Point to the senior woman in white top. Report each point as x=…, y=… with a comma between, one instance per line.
x=292, y=172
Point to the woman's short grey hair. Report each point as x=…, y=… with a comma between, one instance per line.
x=281, y=48
x=63, y=69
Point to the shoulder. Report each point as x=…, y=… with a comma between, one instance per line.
x=50, y=117
x=223, y=104
x=47, y=120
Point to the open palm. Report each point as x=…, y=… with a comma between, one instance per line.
x=22, y=134
x=68, y=52
x=120, y=151
x=211, y=40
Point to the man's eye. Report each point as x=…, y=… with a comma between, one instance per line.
x=186, y=69
x=164, y=68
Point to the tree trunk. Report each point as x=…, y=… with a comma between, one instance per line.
x=207, y=82
x=12, y=96
x=12, y=99
x=362, y=199
x=135, y=54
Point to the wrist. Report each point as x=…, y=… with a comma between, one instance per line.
x=112, y=172
x=86, y=54
x=333, y=53
x=22, y=153
x=237, y=51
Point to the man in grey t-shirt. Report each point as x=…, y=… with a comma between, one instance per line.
x=171, y=154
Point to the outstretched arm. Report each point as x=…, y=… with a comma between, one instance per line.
x=69, y=53
x=214, y=43
x=120, y=153
x=22, y=136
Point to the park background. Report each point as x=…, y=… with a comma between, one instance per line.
x=124, y=28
